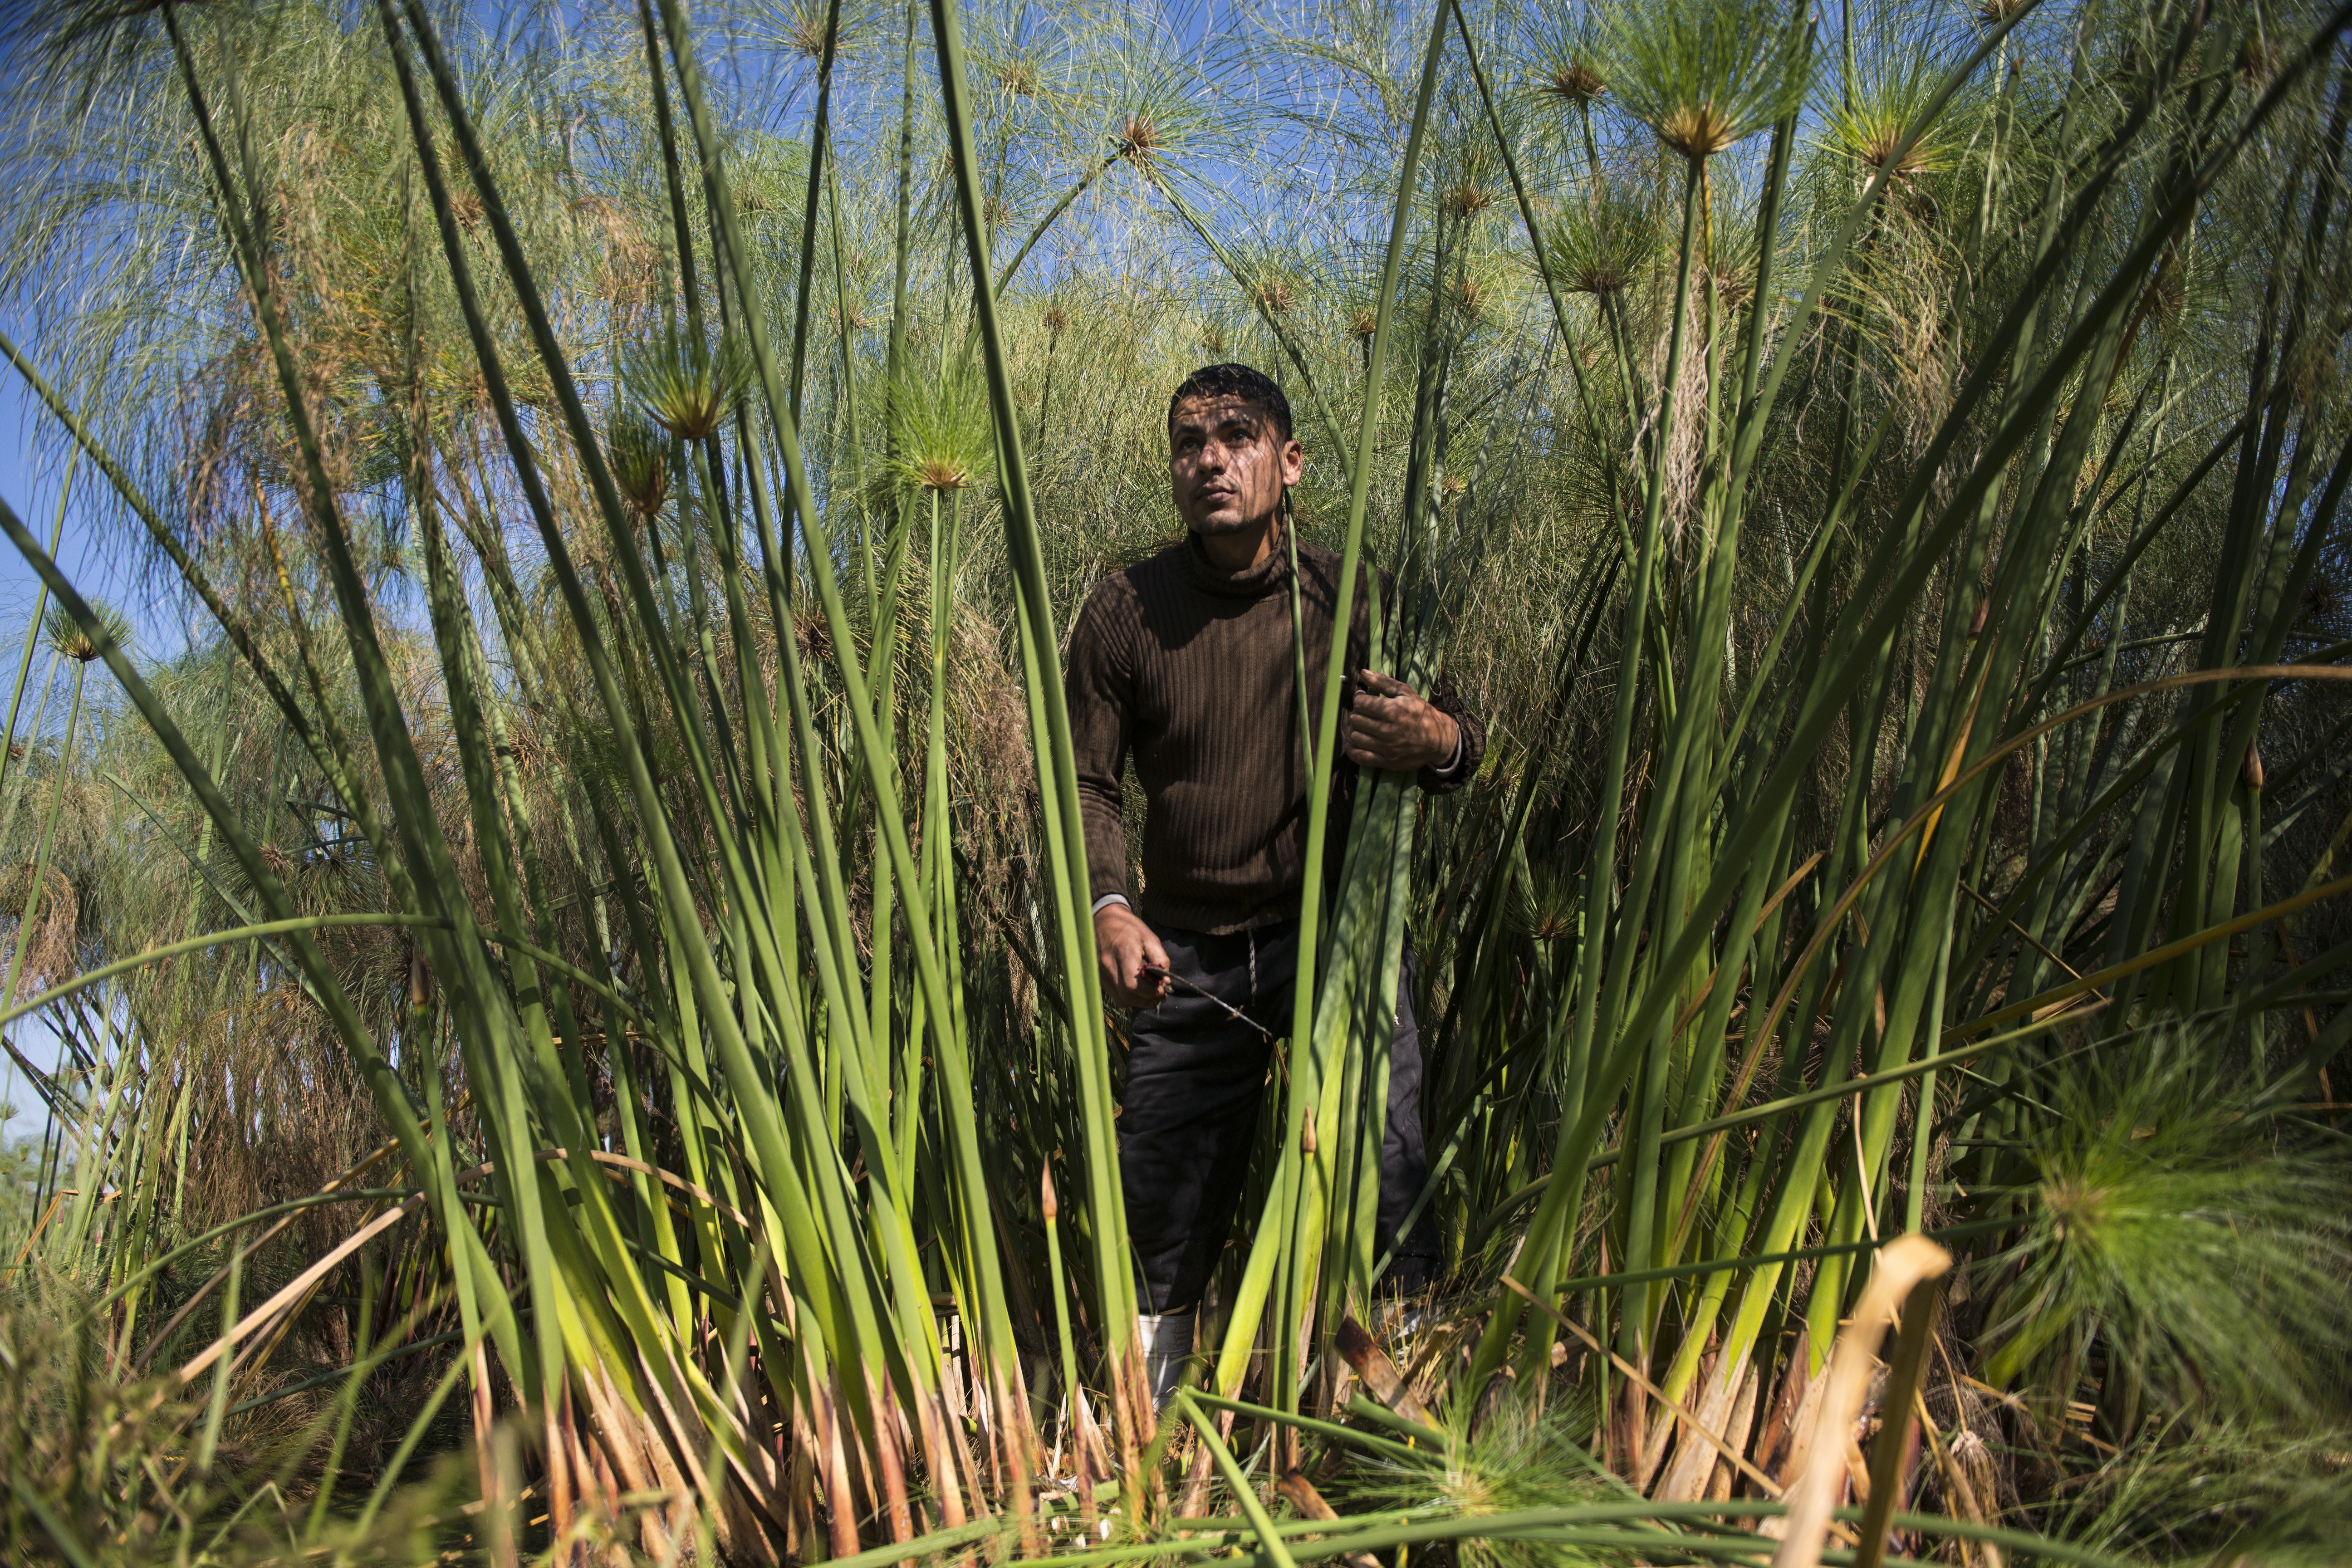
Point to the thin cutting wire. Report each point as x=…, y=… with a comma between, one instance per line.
x=1233, y=1012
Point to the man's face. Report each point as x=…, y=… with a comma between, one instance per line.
x=1227, y=464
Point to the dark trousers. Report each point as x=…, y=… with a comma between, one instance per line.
x=1195, y=1079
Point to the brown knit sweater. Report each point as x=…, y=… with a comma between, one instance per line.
x=1189, y=670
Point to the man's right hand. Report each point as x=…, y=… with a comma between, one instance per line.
x=1125, y=947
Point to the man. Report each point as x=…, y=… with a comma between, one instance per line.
x=1185, y=664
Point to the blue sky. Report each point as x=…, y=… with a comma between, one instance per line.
x=94, y=552
x=30, y=471
x=101, y=556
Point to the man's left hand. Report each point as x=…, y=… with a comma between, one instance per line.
x=1390, y=727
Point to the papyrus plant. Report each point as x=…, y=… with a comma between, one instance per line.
x=723, y=1152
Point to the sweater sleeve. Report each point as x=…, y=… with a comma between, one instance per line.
x=1468, y=753
x=1099, y=688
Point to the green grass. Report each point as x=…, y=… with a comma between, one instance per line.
x=577, y=980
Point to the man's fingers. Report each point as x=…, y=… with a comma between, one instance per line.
x=1377, y=735
x=1391, y=711
x=1120, y=954
x=1130, y=948
x=1359, y=741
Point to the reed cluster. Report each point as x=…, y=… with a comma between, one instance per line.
x=578, y=1029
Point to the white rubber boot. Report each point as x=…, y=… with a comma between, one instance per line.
x=1167, y=1346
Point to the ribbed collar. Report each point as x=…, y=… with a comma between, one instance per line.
x=1251, y=583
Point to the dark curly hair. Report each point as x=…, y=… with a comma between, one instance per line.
x=1234, y=381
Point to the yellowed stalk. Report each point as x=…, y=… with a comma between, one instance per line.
x=1903, y=1264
